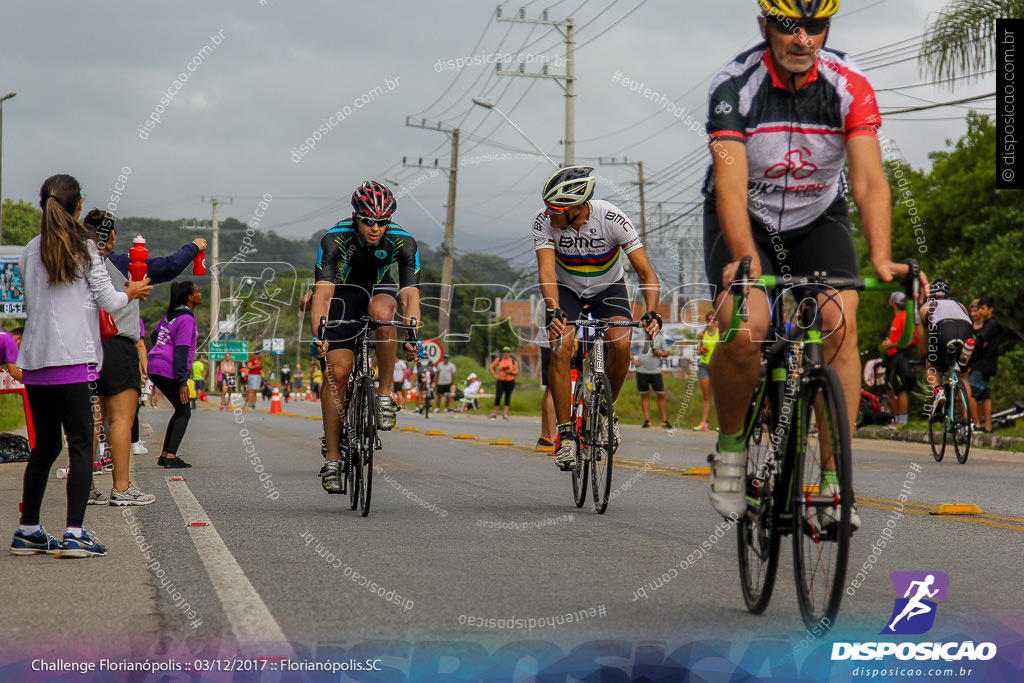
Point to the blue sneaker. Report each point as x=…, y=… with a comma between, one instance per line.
x=31, y=544
x=86, y=546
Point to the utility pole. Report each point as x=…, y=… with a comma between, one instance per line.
x=569, y=77
x=448, y=246
x=212, y=261
x=640, y=181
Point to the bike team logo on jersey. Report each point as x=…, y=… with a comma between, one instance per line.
x=795, y=165
x=381, y=254
x=916, y=596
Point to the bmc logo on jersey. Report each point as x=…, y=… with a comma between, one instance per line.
x=618, y=218
x=723, y=108
x=566, y=241
x=916, y=595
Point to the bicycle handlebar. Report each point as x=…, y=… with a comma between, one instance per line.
x=603, y=323
x=740, y=287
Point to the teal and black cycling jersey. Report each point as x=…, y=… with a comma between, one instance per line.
x=343, y=258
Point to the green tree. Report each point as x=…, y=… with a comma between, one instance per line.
x=961, y=40
x=21, y=222
x=962, y=229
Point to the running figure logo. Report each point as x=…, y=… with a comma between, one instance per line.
x=914, y=612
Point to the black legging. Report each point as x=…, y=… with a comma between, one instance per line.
x=182, y=412
x=503, y=386
x=70, y=406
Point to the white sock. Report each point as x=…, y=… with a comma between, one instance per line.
x=75, y=531
x=29, y=529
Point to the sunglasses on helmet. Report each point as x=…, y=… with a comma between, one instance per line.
x=790, y=27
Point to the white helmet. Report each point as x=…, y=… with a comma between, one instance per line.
x=570, y=186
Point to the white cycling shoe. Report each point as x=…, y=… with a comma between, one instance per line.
x=830, y=515
x=727, y=483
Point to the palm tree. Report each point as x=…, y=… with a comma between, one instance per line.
x=961, y=41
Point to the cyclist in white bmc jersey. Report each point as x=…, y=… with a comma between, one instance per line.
x=578, y=241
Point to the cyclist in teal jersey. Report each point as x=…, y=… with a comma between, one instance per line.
x=352, y=280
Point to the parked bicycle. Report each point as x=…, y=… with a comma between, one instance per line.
x=359, y=415
x=799, y=477
x=949, y=413
x=592, y=413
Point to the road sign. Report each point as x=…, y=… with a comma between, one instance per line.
x=277, y=346
x=433, y=350
x=239, y=350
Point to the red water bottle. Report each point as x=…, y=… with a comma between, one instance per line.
x=199, y=264
x=965, y=354
x=138, y=255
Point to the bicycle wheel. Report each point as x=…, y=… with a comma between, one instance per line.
x=937, y=429
x=961, y=424
x=599, y=442
x=757, y=536
x=367, y=443
x=822, y=479
x=579, y=474
x=354, y=427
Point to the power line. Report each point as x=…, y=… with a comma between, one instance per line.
x=940, y=104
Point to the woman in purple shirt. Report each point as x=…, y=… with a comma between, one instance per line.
x=170, y=359
x=60, y=357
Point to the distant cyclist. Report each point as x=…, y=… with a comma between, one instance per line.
x=579, y=241
x=784, y=118
x=353, y=280
x=943, y=320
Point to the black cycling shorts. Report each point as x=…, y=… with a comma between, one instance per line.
x=941, y=334
x=120, y=371
x=611, y=302
x=899, y=373
x=351, y=302
x=825, y=245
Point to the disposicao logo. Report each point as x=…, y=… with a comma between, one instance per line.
x=913, y=613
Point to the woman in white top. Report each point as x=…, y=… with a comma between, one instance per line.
x=65, y=280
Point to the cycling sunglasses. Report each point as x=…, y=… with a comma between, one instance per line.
x=790, y=27
x=555, y=209
x=383, y=222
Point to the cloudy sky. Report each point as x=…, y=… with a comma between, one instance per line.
x=262, y=76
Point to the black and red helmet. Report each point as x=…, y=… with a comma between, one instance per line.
x=373, y=200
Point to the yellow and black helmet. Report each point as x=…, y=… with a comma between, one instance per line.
x=800, y=9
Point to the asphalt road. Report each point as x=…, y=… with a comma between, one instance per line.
x=472, y=546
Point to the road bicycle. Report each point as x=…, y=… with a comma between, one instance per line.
x=592, y=413
x=949, y=413
x=359, y=413
x=799, y=477
x=428, y=398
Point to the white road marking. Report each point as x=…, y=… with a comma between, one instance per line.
x=255, y=628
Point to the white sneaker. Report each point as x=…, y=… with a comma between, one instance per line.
x=566, y=456
x=139, y=448
x=133, y=495
x=830, y=515
x=727, y=480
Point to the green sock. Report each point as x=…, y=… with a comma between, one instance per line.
x=731, y=443
x=829, y=477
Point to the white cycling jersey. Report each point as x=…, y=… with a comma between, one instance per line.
x=587, y=260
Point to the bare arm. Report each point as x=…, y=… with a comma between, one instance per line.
x=549, y=287
x=729, y=167
x=319, y=308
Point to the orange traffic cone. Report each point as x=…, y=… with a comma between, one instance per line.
x=309, y=394
x=275, y=402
